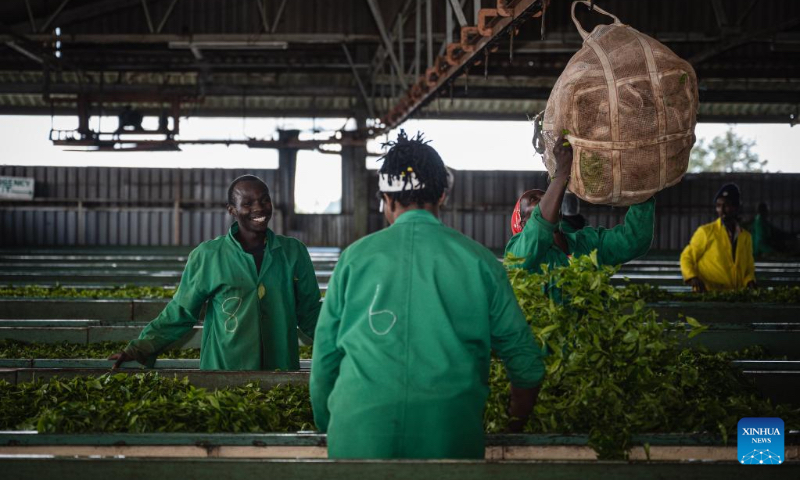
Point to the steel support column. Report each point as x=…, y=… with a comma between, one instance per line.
x=355, y=180
x=417, y=37
x=287, y=169
x=429, y=31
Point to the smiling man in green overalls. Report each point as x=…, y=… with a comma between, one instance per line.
x=402, y=348
x=260, y=287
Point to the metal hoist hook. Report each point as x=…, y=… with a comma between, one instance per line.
x=451, y=92
x=538, y=140
x=544, y=14
x=511, y=43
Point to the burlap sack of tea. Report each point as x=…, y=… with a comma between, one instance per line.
x=629, y=105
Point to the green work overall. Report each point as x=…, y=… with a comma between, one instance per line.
x=251, y=318
x=402, y=347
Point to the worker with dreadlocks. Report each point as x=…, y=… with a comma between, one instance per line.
x=541, y=237
x=260, y=287
x=402, y=347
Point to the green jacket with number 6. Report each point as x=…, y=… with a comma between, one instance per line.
x=402, y=348
x=252, y=317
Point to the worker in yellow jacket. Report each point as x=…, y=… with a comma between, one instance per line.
x=720, y=254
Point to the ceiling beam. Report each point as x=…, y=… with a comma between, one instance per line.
x=166, y=16
x=415, y=98
x=53, y=16
x=156, y=38
x=387, y=42
x=25, y=52
x=461, y=109
x=278, y=16
x=742, y=39
x=109, y=90
x=262, y=10
x=30, y=16
x=719, y=13
x=147, y=17
x=746, y=13
x=84, y=12
x=462, y=19
x=364, y=96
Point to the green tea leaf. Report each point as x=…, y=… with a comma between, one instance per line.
x=693, y=322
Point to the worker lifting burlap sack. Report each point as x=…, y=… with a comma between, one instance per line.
x=628, y=106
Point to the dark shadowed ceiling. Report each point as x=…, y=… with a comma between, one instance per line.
x=307, y=57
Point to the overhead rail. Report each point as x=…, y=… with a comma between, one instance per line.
x=472, y=48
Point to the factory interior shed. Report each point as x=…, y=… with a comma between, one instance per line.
x=89, y=255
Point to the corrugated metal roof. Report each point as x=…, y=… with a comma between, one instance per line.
x=108, y=45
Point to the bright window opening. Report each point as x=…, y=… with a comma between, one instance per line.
x=318, y=183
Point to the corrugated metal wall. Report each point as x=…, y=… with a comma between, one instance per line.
x=121, y=206
x=482, y=201
x=129, y=206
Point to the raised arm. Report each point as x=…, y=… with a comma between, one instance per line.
x=551, y=201
x=176, y=320
x=628, y=241
x=536, y=237
x=327, y=356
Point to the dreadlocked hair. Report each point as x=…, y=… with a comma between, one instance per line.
x=238, y=180
x=415, y=155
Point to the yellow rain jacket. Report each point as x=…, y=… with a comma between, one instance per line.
x=709, y=257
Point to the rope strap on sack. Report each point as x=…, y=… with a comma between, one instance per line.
x=583, y=32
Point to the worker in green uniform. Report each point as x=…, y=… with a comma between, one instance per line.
x=260, y=287
x=540, y=237
x=402, y=347
x=763, y=233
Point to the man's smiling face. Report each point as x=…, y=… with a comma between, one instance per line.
x=252, y=206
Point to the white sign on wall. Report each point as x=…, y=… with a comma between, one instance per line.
x=16, y=188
